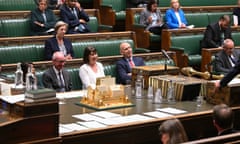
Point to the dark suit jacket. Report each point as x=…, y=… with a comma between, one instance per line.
x=68, y=17
x=50, y=80
x=123, y=69
x=230, y=75
x=212, y=36
x=36, y=15
x=221, y=64
x=51, y=46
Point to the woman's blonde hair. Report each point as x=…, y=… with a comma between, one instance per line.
x=59, y=24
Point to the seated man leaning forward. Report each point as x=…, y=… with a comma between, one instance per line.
x=217, y=32
x=227, y=58
x=125, y=64
x=56, y=77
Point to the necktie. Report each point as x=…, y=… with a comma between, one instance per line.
x=131, y=63
x=233, y=60
x=62, y=87
x=44, y=17
x=74, y=13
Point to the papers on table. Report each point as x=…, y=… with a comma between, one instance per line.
x=13, y=98
x=92, y=124
x=105, y=114
x=171, y=110
x=103, y=119
x=85, y=117
x=157, y=114
x=71, y=94
x=64, y=128
x=108, y=118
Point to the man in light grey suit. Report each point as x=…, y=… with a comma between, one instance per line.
x=56, y=77
x=227, y=58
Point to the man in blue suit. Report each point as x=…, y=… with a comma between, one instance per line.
x=73, y=14
x=125, y=64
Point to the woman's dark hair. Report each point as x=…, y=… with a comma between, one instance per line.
x=150, y=3
x=87, y=51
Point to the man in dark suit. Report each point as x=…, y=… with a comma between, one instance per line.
x=223, y=119
x=226, y=59
x=125, y=64
x=56, y=77
x=72, y=14
x=216, y=33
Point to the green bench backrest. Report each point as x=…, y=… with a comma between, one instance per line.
x=93, y=24
x=190, y=43
x=104, y=48
x=15, y=27
x=214, y=17
x=197, y=19
x=117, y=5
x=21, y=26
x=166, y=3
x=35, y=52
x=24, y=53
x=236, y=38
x=17, y=5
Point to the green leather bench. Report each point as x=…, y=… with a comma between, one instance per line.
x=166, y=3
x=35, y=52
x=108, y=64
x=17, y=5
x=113, y=13
x=18, y=24
x=188, y=49
x=26, y=49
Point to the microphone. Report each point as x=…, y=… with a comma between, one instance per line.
x=165, y=54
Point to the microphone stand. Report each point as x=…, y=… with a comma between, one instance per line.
x=165, y=66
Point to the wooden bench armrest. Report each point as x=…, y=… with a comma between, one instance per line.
x=207, y=54
x=108, y=16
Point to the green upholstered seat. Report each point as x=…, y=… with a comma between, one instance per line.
x=15, y=27
x=104, y=48
x=214, y=17
x=14, y=54
x=166, y=3
x=93, y=24
x=17, y=5
x=197, y=19
x=190, y=44
x=118, y=6
x=236, y=38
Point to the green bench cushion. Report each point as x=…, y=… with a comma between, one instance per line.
x=120, y=15
x=14, y=54
x=214, y=17
x=166, y=3
x=104, y=48
x=236, y=38
x=15, y=27
x=17, y=5
x=197, y=19
x=191, y=46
